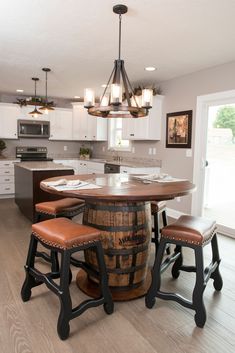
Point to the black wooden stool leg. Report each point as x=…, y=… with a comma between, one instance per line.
x=65, y=299
x=175, y=271
x=164, y=222
x=216, y=276
x=29, y=281
x=198, y=303
x=54, y=261
x=108, y=301
x=156, y=276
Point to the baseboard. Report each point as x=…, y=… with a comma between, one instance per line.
x=7, y=196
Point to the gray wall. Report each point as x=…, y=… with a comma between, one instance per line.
x=181, y=94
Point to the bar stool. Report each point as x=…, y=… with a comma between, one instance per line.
x=64, y=236
x=158, y=208
x=195, y=233
x=66, y=207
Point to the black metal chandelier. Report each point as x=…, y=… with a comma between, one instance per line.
x=120, y=101
x=35, y=112
x=46, y=107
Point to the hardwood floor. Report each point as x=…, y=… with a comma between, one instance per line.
x=31, y=327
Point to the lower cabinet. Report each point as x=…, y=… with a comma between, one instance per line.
x=82, y=167
x=7, y=182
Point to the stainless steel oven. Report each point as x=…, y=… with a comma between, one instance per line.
x=33, y=128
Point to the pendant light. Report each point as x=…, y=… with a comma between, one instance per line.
x=35, y=112
x=46, y=108
x=111, y=103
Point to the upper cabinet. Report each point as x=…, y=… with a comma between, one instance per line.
x=147, y=128
x=61, y=124
x=87, y=127
x=8, y=120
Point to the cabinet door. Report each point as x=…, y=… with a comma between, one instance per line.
x=87, y=127
x=80, y=123
x=147, y=128
x=61, y=124
x=8, y=120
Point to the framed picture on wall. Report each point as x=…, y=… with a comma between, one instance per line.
x=179, y=129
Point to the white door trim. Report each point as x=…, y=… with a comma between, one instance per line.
x=201, y=125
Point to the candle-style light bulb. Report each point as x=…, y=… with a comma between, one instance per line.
x=147, y=98
x=89, y=98
x=116, y=93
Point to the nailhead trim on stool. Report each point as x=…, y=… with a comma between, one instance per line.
x=195, y=233
x=81, y=238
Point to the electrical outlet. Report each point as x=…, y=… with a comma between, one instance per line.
x=65, y=148
x=189, y=153
x=178, y=199
x=133, y=149
x=150, y=150
x=103, y=149
x=154, y=150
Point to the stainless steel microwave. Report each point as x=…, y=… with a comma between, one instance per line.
x=33, y=128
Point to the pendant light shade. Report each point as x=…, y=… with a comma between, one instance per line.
x=46, y=108
x=35, y=112
x=120, y=101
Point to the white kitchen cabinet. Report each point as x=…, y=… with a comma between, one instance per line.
x=7, y=182
x=95, y=167
x=82, y=167
x=87, y=127
x=147, y=128
x=69, y=163
x=61, y=124
x=8, y=120
x=139, y=170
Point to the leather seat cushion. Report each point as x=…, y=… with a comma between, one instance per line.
x=64, y=233
x=157, y=206
x=190, y=229
x=59, y=206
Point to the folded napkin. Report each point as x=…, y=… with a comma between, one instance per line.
x=63, y=184
x=158, y=178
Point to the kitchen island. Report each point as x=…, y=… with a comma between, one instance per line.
x=28, y=176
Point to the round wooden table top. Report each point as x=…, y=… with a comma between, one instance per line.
x=122, y=187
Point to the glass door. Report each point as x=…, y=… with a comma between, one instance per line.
x=219, y=186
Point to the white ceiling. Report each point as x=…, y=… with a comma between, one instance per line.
x=78, y=40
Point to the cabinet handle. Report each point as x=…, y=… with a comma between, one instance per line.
x=132, y=134
x=6, y=172
x=6, y=164
x=6, y=179
x=7, y=189
x=85, y=135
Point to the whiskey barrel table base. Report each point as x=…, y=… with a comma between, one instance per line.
x=126, y=238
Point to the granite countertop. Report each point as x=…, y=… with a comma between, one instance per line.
x=125, y=163
x=37, y=166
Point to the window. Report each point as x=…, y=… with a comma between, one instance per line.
x=115, y=136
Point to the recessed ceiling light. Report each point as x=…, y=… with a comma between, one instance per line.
x=76, y=97
x=150, y=68
x=20, y=90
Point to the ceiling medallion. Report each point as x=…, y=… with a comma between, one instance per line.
x=120, y=101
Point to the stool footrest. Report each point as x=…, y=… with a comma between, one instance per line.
x=46, y=278
x=176, y=297
x=169, y=260
x=43, y=255
x=90, y=303
x=81, y=264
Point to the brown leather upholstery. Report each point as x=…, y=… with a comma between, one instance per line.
x=157, y=206
x=59, y=206
x=64, y=233
x=190, y=229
